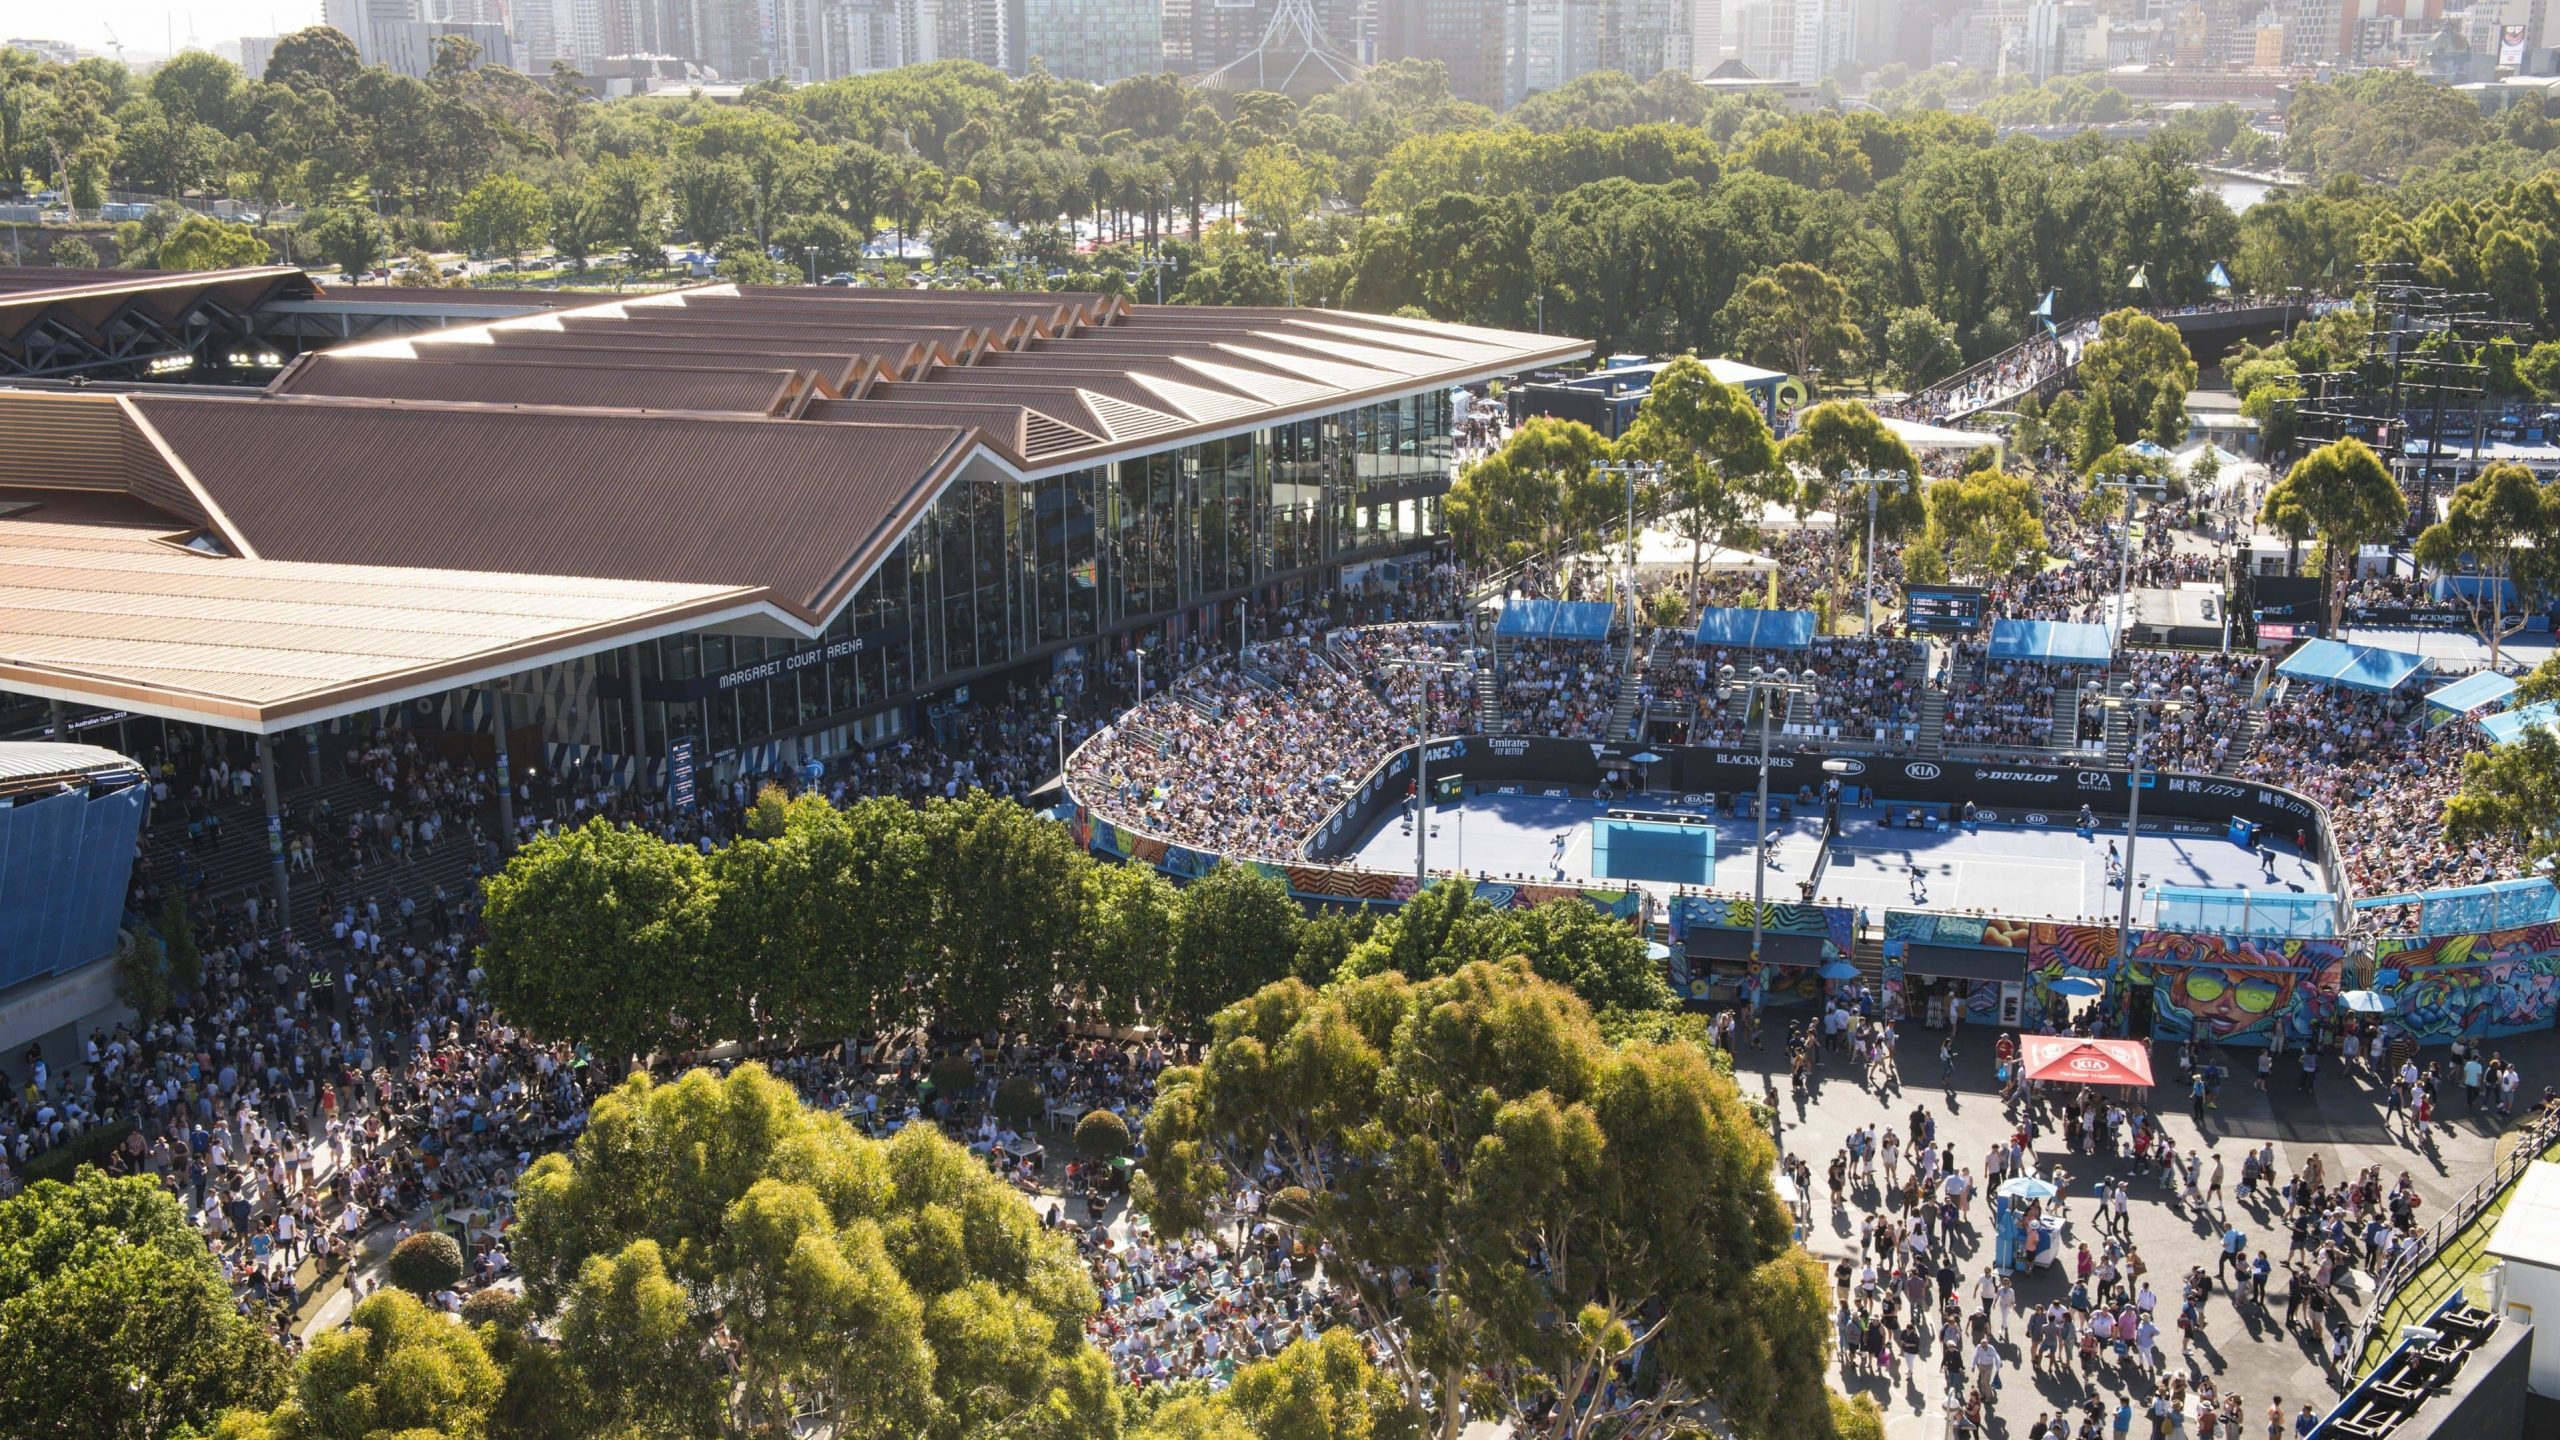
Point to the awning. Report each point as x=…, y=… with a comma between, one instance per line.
x=2469, y=693
x=2053, y=641
x=1756, y=629
x=2511, y=727
x=1556, y=619
x=2357, y=667
x=1777, y=947
x=2070, y=1060
x=1963, y=962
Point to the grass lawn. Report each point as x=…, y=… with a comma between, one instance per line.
x=2463, y=1265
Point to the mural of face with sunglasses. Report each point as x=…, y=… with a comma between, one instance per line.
x=2223, y=1002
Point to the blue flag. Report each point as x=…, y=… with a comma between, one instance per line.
x=2044, y=307
x=2217, y=277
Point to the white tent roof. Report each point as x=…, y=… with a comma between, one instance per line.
x=2230, y=469
x=1939, y=437
x=1665, y=548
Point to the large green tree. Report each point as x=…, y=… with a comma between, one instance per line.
x=116, y=1320
x=1533, y=494
x=398, y=1368
x=1795, y=318
x=2140, y=368
x=602, y=935
x=1572, y=1202
x=2341, y=495
x=2502, y=523
x=718, y=1260
x=1982, y=526
x=1715, y=456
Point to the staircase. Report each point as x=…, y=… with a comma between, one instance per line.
x=1868, y=955
x=2119, y=737
x=1489, y=716
x=1622, y=717
x=1933, y=710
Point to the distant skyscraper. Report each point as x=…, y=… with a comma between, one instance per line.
x=255, y=52
x=1646, y=37
x=1095, y=40
x=368, y=22
x=1470, y=37
x=1551, y=42
x=1765, y=38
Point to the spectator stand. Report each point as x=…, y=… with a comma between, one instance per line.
x=1557, y=674
x=2023, y=690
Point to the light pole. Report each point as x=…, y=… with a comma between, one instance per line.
x=1159, y=264
x=2141, y=705
x=1062, y=744
x=2133, y=486
x=1423, y=671
x=1872, y=481
x=1631, y=471
x=810, y=253
x=1289, y=276
x=1762, y=688
x=1142, y=674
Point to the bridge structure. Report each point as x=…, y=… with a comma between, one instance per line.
x=2043, y=366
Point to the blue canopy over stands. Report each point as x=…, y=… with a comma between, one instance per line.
x=2510, y=727
x=2357, y=667
x=1757, y=629
x=1556, y=619
x=2469, y=693
x=2054, y=641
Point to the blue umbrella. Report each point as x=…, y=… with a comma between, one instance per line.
x=1838, y=970
x=2077, y=985
x=2028, y=1187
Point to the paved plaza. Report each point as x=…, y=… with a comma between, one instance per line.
x=2243, y=1349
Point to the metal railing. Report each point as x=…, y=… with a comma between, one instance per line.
x=2539, y=1134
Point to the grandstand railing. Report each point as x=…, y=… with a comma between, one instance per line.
x=2539, y=1134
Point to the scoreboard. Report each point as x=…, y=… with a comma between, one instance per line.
x=1942, y=609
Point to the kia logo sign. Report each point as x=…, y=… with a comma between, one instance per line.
x=2088, y=1064
x=2038, y=819
x=1921, y=770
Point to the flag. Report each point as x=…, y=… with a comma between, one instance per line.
x=2044, y=307
x=2140, y=281
x=2049, y=328
x=2217, y=277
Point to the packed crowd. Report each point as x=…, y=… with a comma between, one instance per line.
x=2013, y=372
x=1860, y=685
x=2215, y=693
x=1557, y=687
x=2009, y=704
x=1242, y=759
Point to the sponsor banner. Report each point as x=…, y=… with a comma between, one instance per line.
x=2403, y=617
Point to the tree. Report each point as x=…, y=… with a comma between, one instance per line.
x=1322, y=1389
x=741, y=261
x=2131, y=365
x=1714, y=451
x=1126, y=962
x=201, y=242
x=315, y=59
x=882, y=1289
x=1573, y=1201
x=398, y=1369
x=2343, y=495
x=1003, y=925
x=2499, y=521
x=1921, y=347
x=1794, y=318
x=503, y=215
x=1599, y=957
x=1838, y=437
x=602, y=900
x=116, y=1319
x=966, y=235
x=1278, y=186
x=198, y=87
x=1235, y=932
x=72, y=253
x=1981, y=526
x=425, y=1263
x=1515, y=499
x=2510, y=793
x=352, y=240
x=1102, y=1135
x=824, y=926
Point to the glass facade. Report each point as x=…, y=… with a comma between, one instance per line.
x=996, y=573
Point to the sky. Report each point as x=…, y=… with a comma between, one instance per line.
x=147, y=26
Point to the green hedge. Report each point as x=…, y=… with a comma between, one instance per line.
x=88, y=1149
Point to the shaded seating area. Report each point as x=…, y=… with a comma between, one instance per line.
x=2051, y=642
x=1556, y=620
x=2352, y=667
x=1756, y=629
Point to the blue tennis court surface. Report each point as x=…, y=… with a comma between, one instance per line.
x=2030, y=873
x=1673, y=854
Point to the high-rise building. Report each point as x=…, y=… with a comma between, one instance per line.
x=1212, y=33
x=1765, y=37
x=1551, y=42
x=1824, y=34
x=255, y=52
x=1470, y=37
x=368, y=22
x=1646, y=37
x=1095, y=40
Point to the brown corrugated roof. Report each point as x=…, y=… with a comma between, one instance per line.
x=118, y=615
x=622, y=385
x=800, y=509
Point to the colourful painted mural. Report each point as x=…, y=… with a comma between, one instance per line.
x=2484, y=983
x=1773, y=984
x=2055, y=951
x=2236, y=989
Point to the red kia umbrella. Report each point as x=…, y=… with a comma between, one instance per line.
x=2070, y=1060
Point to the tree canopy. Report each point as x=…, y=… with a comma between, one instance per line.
x=1575, y=1200
x=2342, y=495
